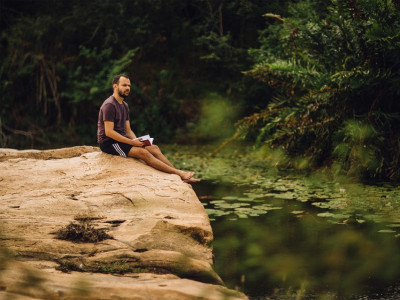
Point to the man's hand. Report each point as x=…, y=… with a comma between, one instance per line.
x=137, y=143
x=111, y=133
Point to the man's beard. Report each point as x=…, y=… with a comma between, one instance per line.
x=121, y=94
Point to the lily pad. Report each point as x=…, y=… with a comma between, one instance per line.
x=216, y=212
x=386, y=231
x=229, y=198
x=217, y=201
x=242, y=216
x=325, y=215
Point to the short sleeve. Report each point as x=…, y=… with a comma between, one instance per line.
x=109, y=112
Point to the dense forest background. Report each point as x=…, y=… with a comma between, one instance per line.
x=311, y=83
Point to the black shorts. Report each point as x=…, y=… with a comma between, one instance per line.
x=115, y=148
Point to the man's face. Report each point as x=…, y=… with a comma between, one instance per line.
x=124, y=87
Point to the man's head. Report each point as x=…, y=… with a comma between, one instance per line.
x=121, y=85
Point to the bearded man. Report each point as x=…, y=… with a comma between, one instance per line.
x=115, y=136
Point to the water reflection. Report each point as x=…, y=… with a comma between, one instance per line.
x=284, y=235
x=271, y=246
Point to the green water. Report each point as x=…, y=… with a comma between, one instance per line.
x=287, y=235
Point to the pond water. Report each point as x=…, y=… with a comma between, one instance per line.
x=291, y=236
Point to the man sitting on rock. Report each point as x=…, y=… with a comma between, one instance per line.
x=115, y=136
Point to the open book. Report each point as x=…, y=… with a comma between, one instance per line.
x=146, y=139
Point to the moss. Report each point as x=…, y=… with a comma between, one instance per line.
x=120, y=267
x=113, y=267
x=67, y=266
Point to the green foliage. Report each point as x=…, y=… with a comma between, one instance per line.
x=102, y=67
x=359, y=149
x=217, y=115
x=330, y=64
x=55, y=75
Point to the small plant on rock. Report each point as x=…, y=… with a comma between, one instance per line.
x=82, y=232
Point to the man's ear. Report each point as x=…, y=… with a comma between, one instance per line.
x=115, y=86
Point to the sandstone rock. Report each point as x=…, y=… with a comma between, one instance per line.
x=161, y=234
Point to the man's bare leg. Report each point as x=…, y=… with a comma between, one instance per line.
x=155, y=150
x=156, y=163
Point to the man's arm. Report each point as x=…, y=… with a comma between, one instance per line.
x=128, y=130
x=111, y=133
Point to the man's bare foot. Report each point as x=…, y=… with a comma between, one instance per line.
x=191, y=180
x=186, y=175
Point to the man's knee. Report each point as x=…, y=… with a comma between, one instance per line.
x=153, y=149
x=140, y=153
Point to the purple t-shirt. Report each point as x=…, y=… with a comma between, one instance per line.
x=112, y=111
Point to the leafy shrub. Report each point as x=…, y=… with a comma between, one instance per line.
x=331, y=65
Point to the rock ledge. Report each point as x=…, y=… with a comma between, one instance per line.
x=160, y=233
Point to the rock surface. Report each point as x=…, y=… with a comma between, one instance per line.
x=160, y=233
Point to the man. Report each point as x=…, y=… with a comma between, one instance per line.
x=115, y=136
